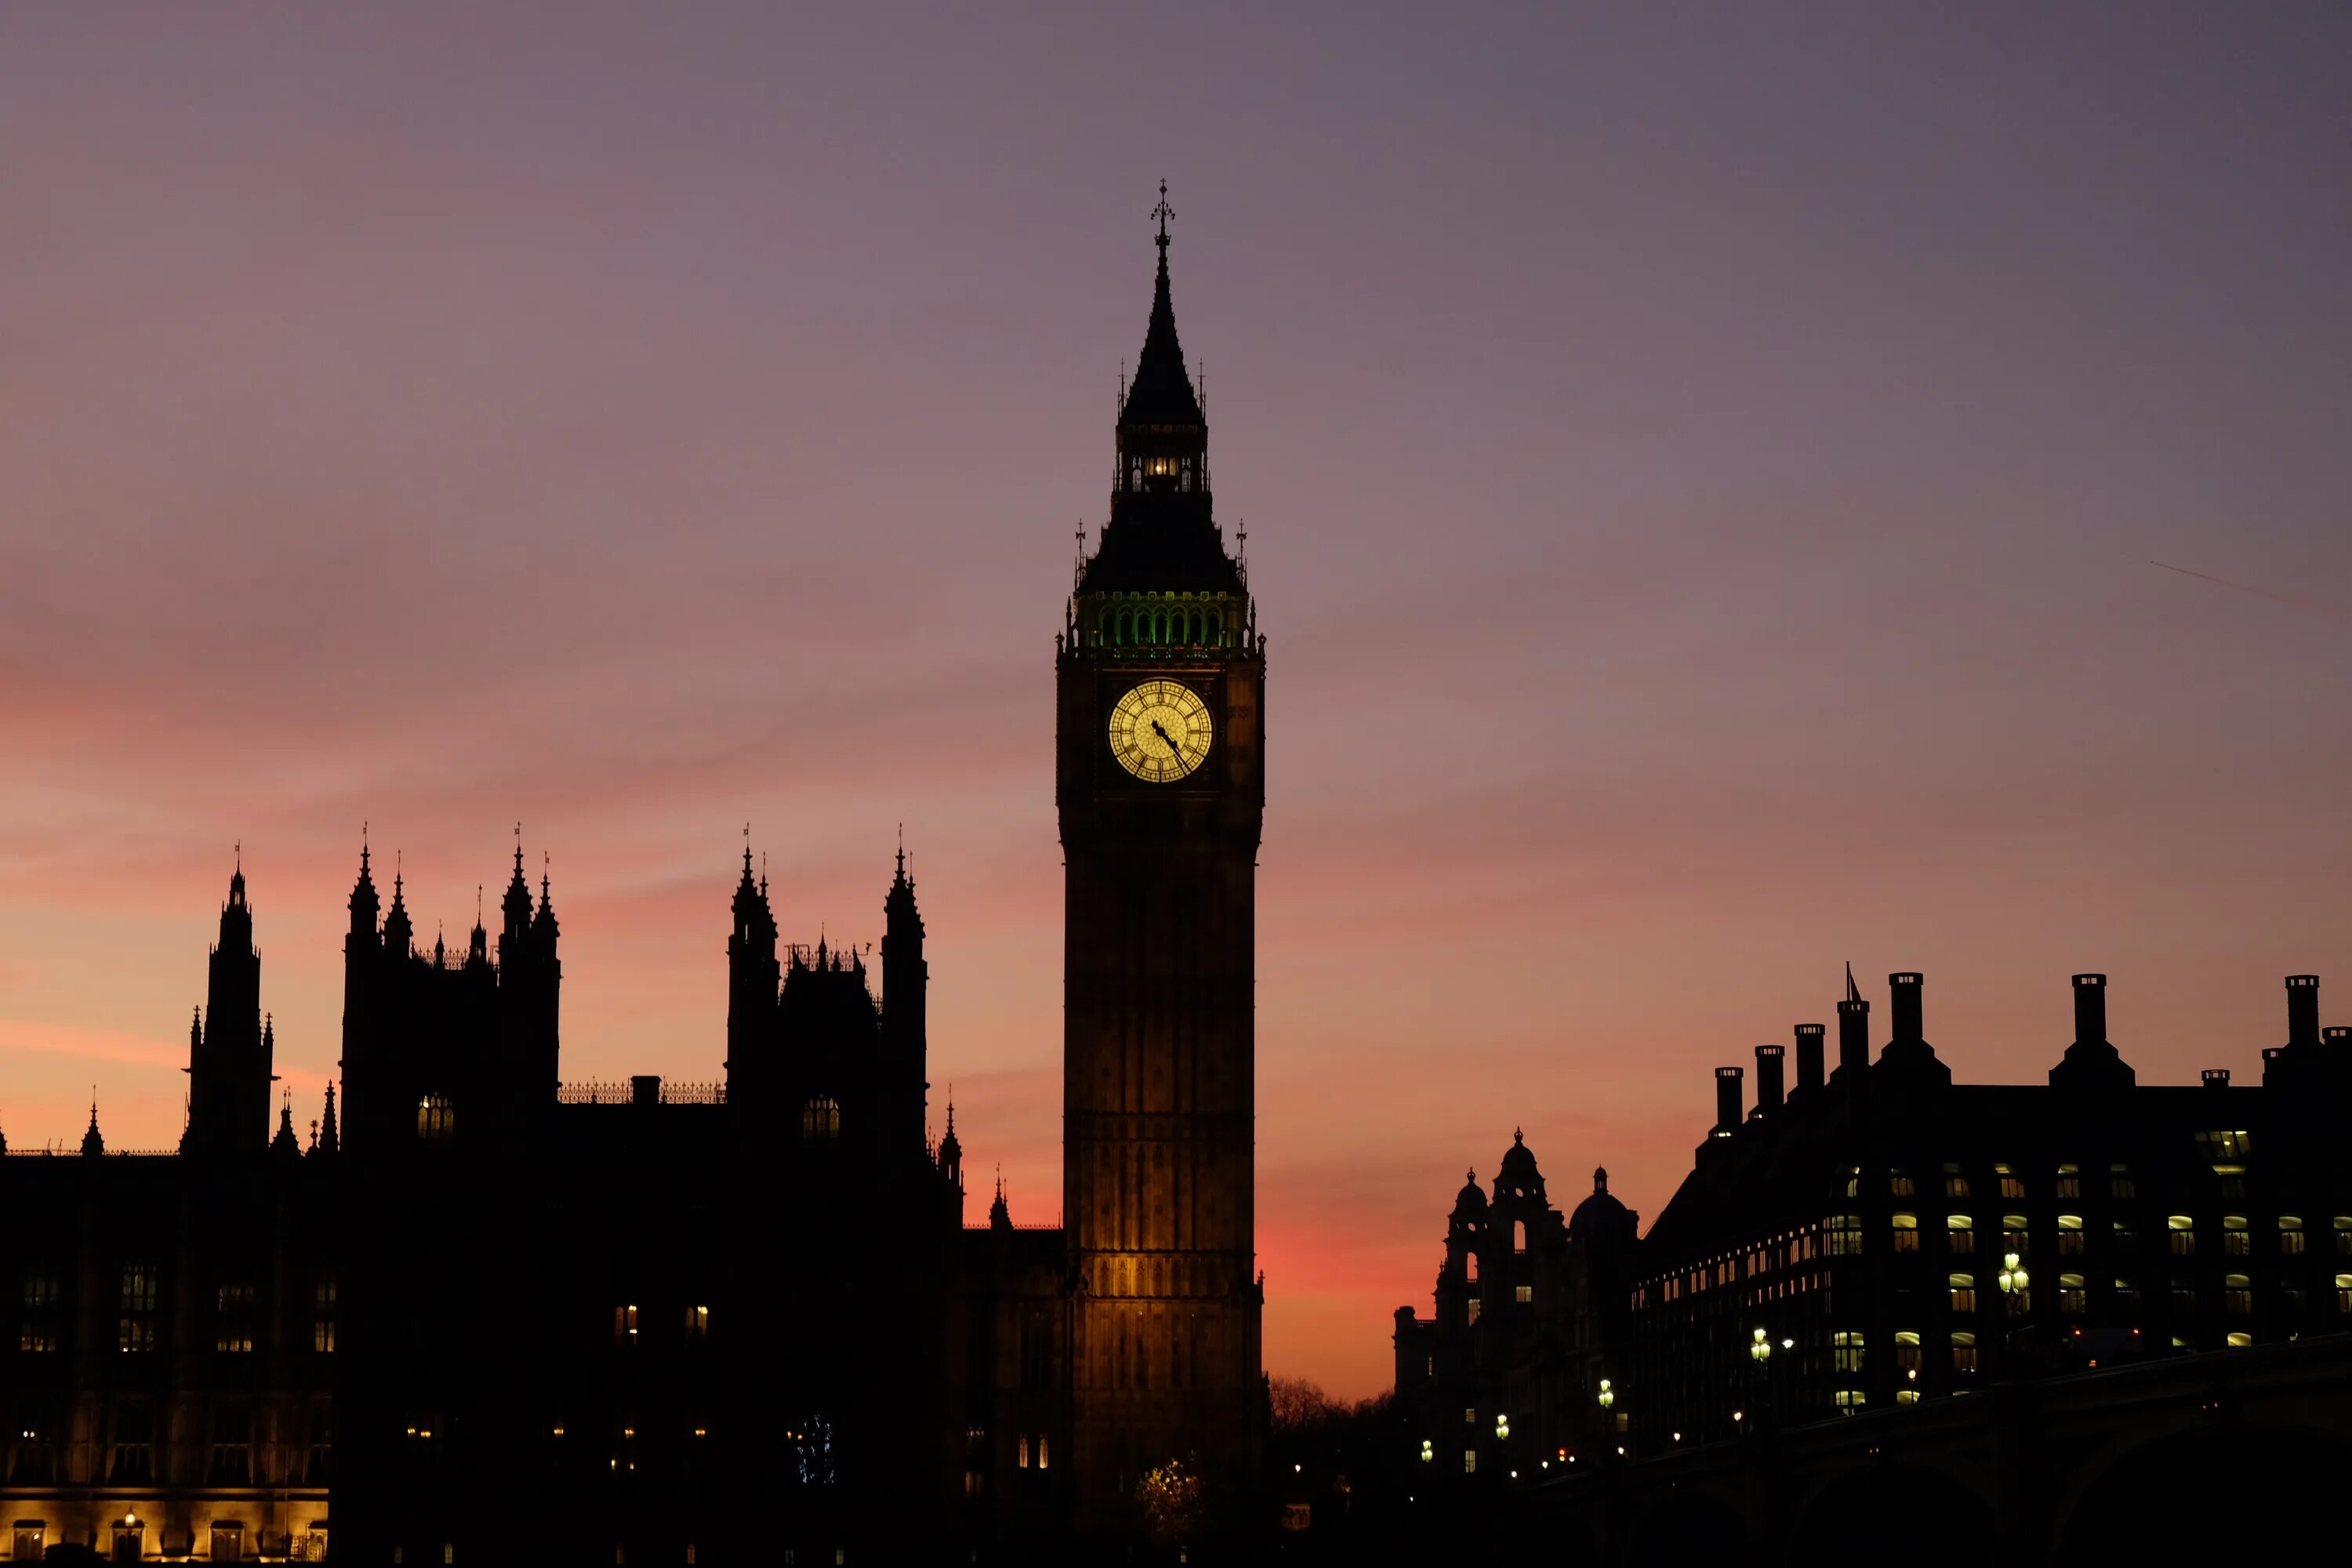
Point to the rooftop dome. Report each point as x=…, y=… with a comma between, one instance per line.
x=1471, y=1198
x=1519, y=1165
x=1600, y=1215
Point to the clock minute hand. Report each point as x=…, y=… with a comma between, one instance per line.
x=1167, y=740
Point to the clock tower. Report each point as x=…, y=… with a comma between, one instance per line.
x=1160, y=778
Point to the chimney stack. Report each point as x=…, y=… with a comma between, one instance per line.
x=1809, y=1056
x=1726, y=1101
x=2302, y=1010
x=2217, y=1077
x=1902, y=1007
x=1854, y=1038
x=1767, y=1077
x=2090, y=1009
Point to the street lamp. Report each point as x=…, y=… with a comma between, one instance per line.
x=1502, y=1426
x=1427, y=1452
x=1759, y=1349
x=2013, y=1282
x=1607, y=1398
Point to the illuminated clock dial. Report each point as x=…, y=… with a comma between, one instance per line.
x=1160, y=731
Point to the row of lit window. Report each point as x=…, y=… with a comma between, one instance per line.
x=2237, y=1239
x=2218, y=1145
x=139, y=1291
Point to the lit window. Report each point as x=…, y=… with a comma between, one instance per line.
x=1469, y=1462
x=698, y=1322
x=1956, y=1185
x=1470, y=1416
x=2240, y=1342
x=1844, y=1235
x=436, y=1118
x=2344, y=1292
x=138, y=1287
x=1906, y=1352
x=1524, y=1294
x=821, y=1119
x=2184, y=1235
x=2237, y=1295
x=2010, y=1186
x=2071, y=1296
x=2119, y=1183
x=2070, y=1233
x=2070, y=1180
x=2290, y=1234
x=2014, y=1236
x=1898, y=1184
x=1964, y=1352
x=624, y=1325
x=2236, y=1240
x=1846, y=1350
x=1959, y=1234
x=322, y=1336
x=1850, y=1399
x=1041, y=1451
x=1473, y=1309
x=1024, y=1451
x=2225, y=1145
x=1906, y=1233
x=1964, y=1292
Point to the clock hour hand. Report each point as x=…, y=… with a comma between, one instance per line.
x=1167, y=740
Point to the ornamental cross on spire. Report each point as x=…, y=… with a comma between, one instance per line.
x=1163, y=212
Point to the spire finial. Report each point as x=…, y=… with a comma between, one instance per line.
x=1163, y=212
x=517, y=847
x=902, y=850
x=1853, y=992
x=747, y=851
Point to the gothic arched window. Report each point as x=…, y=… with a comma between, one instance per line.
x=821, y=1119
x=436, y=1118
x=1122, y=630
x=1216, y=627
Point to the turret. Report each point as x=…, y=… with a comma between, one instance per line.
x=951, y=1167
x=330, y=1142
x=229, y=1061
x=399, y=931
x=285, y=1148
x=93, y=1144
x=363, y=904
x=515, y=938
x=905, y=980
x=752, y=981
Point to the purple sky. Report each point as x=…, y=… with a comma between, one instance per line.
x=1702, y=468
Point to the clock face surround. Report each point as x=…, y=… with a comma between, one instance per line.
x=1160, y=731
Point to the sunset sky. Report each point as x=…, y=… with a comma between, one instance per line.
x=1702, y=468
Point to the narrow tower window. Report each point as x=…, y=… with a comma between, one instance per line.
x=436, y=1118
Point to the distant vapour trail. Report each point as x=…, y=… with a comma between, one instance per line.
x=2299, y=603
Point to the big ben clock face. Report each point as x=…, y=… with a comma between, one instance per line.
x=1160, y=731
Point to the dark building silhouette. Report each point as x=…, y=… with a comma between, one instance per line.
x=1841, y=1246
x=174, y=1319
x=488, y=1312
x=1531, y=1309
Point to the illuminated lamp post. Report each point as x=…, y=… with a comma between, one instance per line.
x=2013, y=1281
x=1760, y=1350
